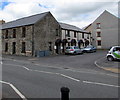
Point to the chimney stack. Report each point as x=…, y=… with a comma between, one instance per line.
x=2, y=21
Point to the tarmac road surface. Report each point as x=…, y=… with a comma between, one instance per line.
x=43, y=77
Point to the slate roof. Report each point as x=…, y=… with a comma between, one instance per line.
x=71, y=27
x=24, y=21
x=33, y=19
x=84, y=28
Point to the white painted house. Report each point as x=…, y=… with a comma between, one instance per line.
x=104, y=31
x=73, y=34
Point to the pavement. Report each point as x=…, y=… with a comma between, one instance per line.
x=112, y=66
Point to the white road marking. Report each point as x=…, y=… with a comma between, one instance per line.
x=65, y=76
x=44, y=72
x=70, y=69
x=25, y=67
x=48, y=66
x=15, y=89
x=90, y=72
x=18, y=66
x=74, y=70
x=103, y=84
x=70, y=77
x=1, y=62
x=57, y=74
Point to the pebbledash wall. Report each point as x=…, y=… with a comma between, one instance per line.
x=40, y=35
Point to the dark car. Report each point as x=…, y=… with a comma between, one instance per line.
x=89, y=49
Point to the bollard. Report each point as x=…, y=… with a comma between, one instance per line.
x=65, y=93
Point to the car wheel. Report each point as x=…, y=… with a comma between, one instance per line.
x=81, y=53
x=84, y=51
x=110, y=58
x=65, y=53
x=75, y=53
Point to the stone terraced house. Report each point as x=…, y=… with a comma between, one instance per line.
x=31, y=36
x=39, y=35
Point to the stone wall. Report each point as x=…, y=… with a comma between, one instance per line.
x=39, y=37
x=45, y=32
x=19, y=39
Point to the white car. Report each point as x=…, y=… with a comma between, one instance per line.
x=113, y=53
x=73, y=50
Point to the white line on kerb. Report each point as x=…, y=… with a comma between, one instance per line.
x=97, y=61
x=15, y=89
x=96, y=83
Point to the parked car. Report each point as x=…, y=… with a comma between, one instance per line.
x=73, y=50
x=113, y=53
x=89, y=48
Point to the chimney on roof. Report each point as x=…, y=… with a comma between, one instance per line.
x=2, y=21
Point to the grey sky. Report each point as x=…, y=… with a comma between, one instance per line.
x=76, y=12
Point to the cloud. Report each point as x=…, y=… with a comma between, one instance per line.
x=76, y=12
x=3, y=4
x=17, y=10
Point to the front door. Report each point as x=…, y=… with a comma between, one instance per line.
x=14, y=48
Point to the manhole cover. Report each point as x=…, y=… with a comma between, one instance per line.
x=66, y=68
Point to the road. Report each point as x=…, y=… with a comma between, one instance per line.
x=26, y=77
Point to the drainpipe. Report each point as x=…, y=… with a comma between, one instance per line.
x=33, y=40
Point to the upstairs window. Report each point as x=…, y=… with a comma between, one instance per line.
x=75, y=35
x=98, y=34
x=23, y=31
x=99, y=42
x=98, y=26
x=68, y=33
x=14, y=33
x=57, y=32
x=6, y=34
x=83, y=35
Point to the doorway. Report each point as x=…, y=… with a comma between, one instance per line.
x=58, y=46
x=14, y=48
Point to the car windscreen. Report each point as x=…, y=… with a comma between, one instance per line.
x=69, y=48
x=76, y=47
x=89, y=47
x=117, y=48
